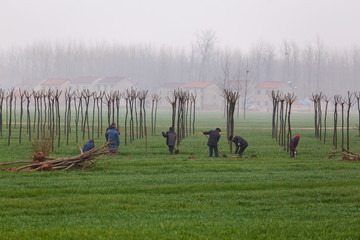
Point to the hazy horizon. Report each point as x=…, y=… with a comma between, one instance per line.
x=237, y=24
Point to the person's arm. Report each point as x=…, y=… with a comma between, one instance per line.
x=206, y=133
x=163, y=133
x=237, y=149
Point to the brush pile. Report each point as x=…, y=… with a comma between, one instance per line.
x=42, y=163
x=344, y=155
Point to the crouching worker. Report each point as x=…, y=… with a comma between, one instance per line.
x=112, y=136
x=240, y=143
x=293, y=144
x=214, y=137
x=88, y=146
x=170, y=138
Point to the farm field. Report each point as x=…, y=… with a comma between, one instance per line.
x=136, y=196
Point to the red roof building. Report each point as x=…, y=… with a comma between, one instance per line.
x=262, y=90
x=84, y=83
x=55, y=84
x=114, y=83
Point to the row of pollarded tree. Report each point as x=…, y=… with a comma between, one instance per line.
x=43, y=115
x=342, y=104
x=183, y=106
x=281, y=117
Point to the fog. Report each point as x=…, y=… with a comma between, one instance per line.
x=314, y=45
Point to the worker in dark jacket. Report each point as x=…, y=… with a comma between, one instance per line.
x=112, y=136
x=214, y=137
x=240, y=144
x=170, y=139
x=88, y=146
x=113, y=125
x=293, y=144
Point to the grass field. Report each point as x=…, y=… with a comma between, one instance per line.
x=156, y=197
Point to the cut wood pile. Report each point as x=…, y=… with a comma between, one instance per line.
x=41, y=162
x=344, y=155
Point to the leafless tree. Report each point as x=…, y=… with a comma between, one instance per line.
x=231, y=100
x=326, y=99
x=275, y=97
x=290, y=99
x=22, y=100
x=193, y=101
x=336, y=101
x=28, y=121
x=11, y=98
x=349, y=102
x=316, y=99
x=246, y=88
x=357, y=96
x=154, y=101
x=206, y=44
x=2, y=96
x=173, y=101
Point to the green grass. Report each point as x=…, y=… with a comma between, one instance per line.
x=155, y=197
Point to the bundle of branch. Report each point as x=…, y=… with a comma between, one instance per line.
x=344, y=155
x=43, y=163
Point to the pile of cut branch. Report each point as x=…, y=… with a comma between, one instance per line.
x=42, y=163
x=344, y=155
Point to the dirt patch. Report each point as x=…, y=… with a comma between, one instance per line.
x=254, y=156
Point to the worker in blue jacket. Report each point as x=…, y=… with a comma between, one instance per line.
x=112, y=136
x=88, y=146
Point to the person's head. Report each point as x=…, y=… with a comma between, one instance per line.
x=171, y=129
x=91, y=140
x=218, y=129
x=231, y=138
x=297, y=137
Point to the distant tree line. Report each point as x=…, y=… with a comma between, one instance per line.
x=309, y=68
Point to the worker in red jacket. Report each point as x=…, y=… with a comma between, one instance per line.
x=293, y=144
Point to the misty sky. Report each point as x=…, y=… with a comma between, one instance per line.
x=237, y=23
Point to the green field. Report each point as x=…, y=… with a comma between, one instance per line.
x=139, y=196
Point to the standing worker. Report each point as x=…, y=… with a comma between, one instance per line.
x=293, y=144
x=112, y=136
x=214, y=137
x=170, y=139
x=240, y=144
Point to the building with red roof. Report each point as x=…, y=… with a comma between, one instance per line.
x=208, y=95
x=262, y=90
x=166, y=90
x=84, y=83
x=55, y=84
x=114, y=83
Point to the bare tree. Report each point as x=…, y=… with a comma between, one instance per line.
x=326, y=99
x=2, y=96
x=206, y=44
x=349, y=102
x=231, y=100
x=336, y=101
x=357, y=96
x=290, y=99
x=11, y=97
x=154, y=101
